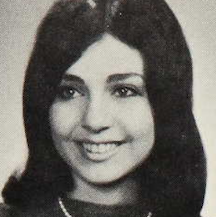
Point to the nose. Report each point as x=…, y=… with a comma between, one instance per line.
x=96, y=118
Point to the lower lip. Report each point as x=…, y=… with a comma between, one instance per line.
x=101, y=156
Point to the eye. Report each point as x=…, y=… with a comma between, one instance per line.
x=67, y=92
x=124, y=92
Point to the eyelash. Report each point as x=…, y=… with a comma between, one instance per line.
x=120, y=91
x=68, y=92
x=127, y=91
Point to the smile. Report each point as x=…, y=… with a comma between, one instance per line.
x=99, y=148
x=100, y=151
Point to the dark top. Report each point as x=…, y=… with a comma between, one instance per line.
x=78, y=209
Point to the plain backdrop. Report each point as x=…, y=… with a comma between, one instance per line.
x=18, y=22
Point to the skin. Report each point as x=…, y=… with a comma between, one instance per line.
x=102, y=99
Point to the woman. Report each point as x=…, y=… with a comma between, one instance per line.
x=108, y=115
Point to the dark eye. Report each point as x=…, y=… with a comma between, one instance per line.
x=125, y=92
x=68, y=93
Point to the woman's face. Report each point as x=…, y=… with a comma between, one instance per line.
x=101, y=120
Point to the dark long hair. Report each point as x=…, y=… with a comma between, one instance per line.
x=174, y=174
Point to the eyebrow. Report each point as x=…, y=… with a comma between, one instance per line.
x=73, y=78
x=121, y=77
x=110, y=79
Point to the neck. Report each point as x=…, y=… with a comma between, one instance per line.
x=121, y=192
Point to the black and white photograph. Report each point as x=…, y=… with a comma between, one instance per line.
x=107, y=108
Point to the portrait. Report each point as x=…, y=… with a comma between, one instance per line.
x=108, y=112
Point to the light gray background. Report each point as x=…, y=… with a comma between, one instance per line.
x=18, y=22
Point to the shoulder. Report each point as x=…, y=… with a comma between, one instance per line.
x=48, y=210
x=5, y=210
x=195, y=215
x=9, y=211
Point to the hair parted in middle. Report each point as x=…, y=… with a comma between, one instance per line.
x=174, y=173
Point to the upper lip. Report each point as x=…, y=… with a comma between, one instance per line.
x=100, y=142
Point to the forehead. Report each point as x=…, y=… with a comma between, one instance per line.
x=106, y=57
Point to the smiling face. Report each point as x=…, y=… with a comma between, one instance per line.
x=101, y=120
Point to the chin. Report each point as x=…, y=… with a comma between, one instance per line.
x=102, y=180
x=106, y=178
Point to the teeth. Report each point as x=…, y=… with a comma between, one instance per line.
x=99, y=148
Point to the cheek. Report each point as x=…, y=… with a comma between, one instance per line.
x=64, y=117
x=138, y=123
x=137, y=118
